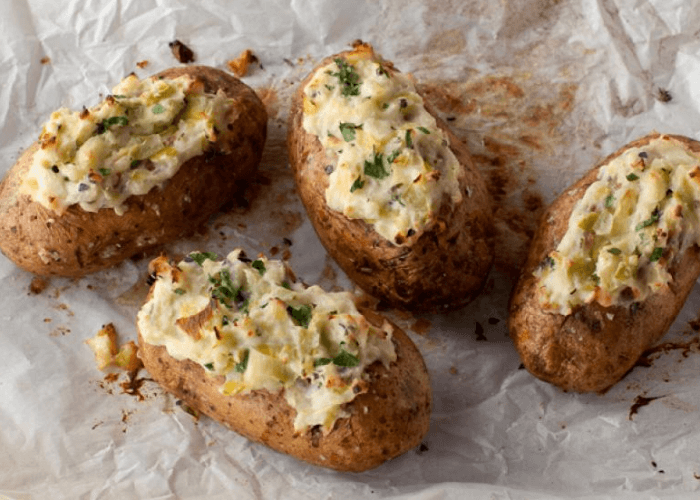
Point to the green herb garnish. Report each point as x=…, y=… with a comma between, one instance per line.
x=240, y=367
x=209, y=366
x=158, y=109
x=382, y=71
x=609, y=201
x=104, y=172
x=343, y=358
x=348, y=78
x=347, y=130
x=358, y=184
x=615, y=251
x=259, y=265
x=375, y=168
x=226, y=292
x=179, y=291
x=424, y=130
x=651, y=220
x=632, y=177
x=113, y=120
x=302, y=314
x=393, y=156
x=409, y=140
x=200, y=257
x=656, y=254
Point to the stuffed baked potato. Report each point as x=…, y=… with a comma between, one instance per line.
x=392, y=194
x=148, y=165
x=611, y=265
x=303, y=371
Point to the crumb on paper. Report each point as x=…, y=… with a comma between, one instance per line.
x=108, y=353
x=241, y=64
x=421, y=326
x=181, y=52
x=639, y=402
x=453, y=370
x=142, y=64
x=45, y=60
x=38, y=285
x=663, y=95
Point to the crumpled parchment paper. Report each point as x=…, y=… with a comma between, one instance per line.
x=540, y=90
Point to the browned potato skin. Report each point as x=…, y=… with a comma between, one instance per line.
x=441, y=269
x=586, y=351
x=79, y=242
x=388, y=420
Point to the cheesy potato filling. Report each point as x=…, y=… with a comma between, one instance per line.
x=392, y=164
x=134, y=140
x=246, y=322
x=640, y=214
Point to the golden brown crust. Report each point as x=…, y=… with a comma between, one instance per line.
x=79, y=242
x=594, y=347
x=389, y=419
x=443, y=268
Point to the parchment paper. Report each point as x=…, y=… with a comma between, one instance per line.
x=540, y=90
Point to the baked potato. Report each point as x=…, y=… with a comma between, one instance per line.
x=305, y=372
x=610, y=266
x=393, y=195
x=148, y=165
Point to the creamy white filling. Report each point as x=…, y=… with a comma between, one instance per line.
x=640, y=213
x=246, y=322
x=133, y=141
x=392, y=164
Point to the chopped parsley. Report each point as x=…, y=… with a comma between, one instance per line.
x=382, y=71
x=651, y=220
x=241, y=367
x=375, y=168
x=343, y=358
x=409, y=139
x=200, y=257
x=158, y=109
x=393, y=156
x=301, y=315
x=358, y=184
x=259, y=265
x=104, y=125
x=226, y=292
x=424, y=130
x=615, y=251
x=348, y=78
x=656, y=254
x=609, y=201
x=347, y=130
x=179, y=291
x=104, y=172
x=209, y=366
x=632, y=177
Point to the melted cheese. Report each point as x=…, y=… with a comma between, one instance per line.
x=640, y=213
x=244, y=321
x=392, y=164
x=134, y=140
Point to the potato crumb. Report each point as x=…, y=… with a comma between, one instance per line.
x=109, y=354
x=142, y=64
x=240, y=65
x=38, y=285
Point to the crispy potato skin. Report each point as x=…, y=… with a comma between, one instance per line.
x=388, y=420
x=79, y=242
x=443, y=268
x=587, y=351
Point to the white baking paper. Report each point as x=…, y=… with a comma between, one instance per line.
x=539, y=89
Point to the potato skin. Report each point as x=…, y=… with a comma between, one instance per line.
x=586, y=351
x=389, y=419
x=443, y=269
x=80, y=242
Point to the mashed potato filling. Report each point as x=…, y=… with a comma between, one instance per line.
x=392, y=164
x=640, y=213
x=247, y=322
x=134, y=140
